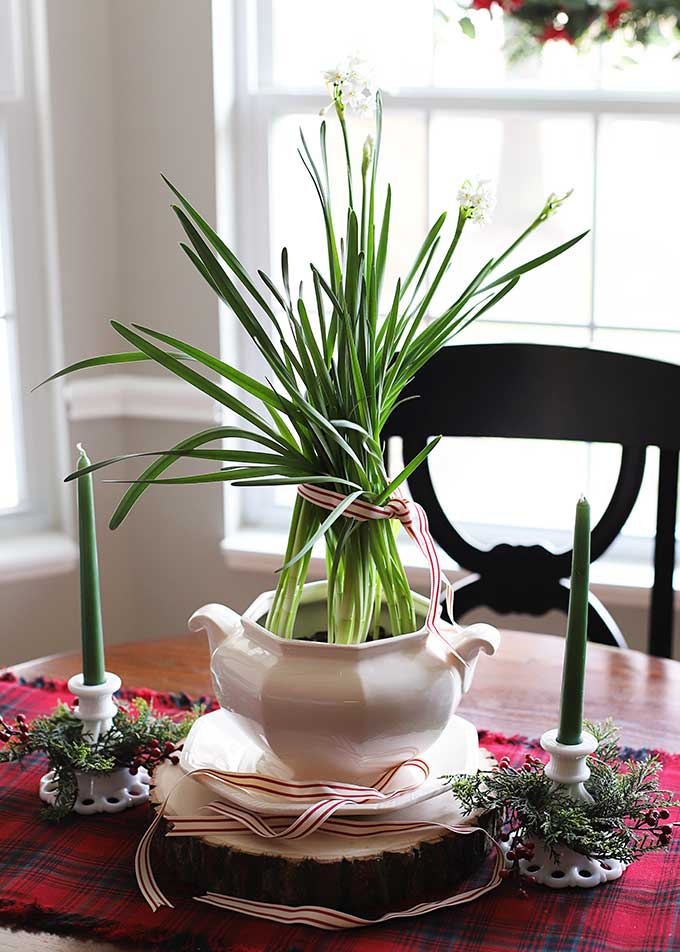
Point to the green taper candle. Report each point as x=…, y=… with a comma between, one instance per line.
x=574, y=670
x=90, y=603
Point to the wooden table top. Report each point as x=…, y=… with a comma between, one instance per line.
x=515, y=692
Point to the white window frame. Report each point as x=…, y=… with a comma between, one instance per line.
x=258, y=103
x=32, y=536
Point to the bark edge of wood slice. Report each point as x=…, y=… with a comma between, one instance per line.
x=419, y=867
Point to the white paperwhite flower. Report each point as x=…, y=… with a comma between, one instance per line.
x=477, y=200
x=352, y=86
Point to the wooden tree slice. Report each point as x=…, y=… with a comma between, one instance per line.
x=365, y=876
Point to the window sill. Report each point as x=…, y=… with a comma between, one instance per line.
x=36, y=556
x=257, y=550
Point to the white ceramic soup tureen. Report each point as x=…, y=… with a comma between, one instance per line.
x=337, y=712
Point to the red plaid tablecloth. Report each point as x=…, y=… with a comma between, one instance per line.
x=77, y=878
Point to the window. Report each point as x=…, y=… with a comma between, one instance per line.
x=454, y=108
x=27, y=474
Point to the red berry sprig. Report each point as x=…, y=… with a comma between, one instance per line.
x=15, y=735
x=152, y=755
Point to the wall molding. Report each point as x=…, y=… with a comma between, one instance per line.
x=138, y=397
x=37, y=555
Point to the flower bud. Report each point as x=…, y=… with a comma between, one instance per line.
x=367, y=155
x=552, y=203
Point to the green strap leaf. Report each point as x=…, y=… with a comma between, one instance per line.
x=226, y=456
x=195, y=379
x=297, y=480
x=134, y=492
x=323, y=528
x=534, y=263
x=424, y=248
x=382, y=241
x=125, y=358
x=228, y=475
x=243, y=380
x=225, y=252
x=406, y=471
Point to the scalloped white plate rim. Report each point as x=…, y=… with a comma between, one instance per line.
x=459, y=737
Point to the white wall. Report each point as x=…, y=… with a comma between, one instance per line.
x=81, y=98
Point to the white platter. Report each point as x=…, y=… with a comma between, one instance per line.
x=216, y=741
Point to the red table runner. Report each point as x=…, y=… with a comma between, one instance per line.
x=77, y=878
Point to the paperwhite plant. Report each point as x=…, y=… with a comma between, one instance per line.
x=335, y=379
x=477, y=200
x=352, y=87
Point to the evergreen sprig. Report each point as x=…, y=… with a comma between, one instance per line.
x=137, y=738
x=627, y=818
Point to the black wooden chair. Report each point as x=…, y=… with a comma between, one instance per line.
x=534, y=391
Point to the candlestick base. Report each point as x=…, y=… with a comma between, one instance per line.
x=102, y=792
x=569, y=869
x=567, y=766
x=96, y=707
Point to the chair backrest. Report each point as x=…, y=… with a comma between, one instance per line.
x=535, y=391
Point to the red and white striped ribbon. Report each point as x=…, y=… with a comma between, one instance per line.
x=325, y=799
x=226, y=817
x=322, y=917
x=413, y=518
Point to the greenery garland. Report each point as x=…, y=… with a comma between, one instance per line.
x=627, y=819
x=137, y=738
x=581, y=23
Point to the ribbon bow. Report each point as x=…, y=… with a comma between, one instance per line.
x=413, y=518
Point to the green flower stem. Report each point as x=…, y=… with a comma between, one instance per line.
x=282, y=615
x=400, y=591
x=348, y=159
x=377, y=611
x=347, y=593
